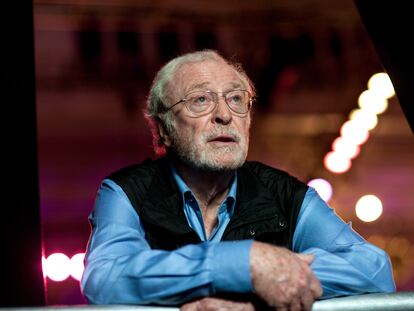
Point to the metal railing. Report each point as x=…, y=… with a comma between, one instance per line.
x=379, y=302
x=400, y=301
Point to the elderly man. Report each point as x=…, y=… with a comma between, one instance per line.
x=203, y=228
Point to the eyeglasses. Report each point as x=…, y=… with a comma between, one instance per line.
x=203, y=102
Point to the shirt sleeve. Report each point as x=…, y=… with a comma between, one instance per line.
x=345, y=263
x=121, y=268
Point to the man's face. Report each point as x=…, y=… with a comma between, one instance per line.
x=215, y=141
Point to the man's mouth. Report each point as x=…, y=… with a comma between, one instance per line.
x=224, y=139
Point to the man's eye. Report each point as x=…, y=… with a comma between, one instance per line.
x=199, y=100
x=236, y=99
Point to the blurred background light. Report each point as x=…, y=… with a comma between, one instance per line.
x=56, y=267
x=322, y=187
x=77, y=266
x=364, y=118
x=336, y=163
x=372, y=101
x=345, y=147
x=381, y=83
x=368, y=208
x=355, y=131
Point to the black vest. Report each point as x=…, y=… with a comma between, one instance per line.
x=267, y=204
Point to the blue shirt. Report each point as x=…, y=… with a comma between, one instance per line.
x=121, y=268
x=193, y=212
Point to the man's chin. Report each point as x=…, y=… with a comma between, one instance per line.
x=220, y=163
x=212, y=164
x=208, y=167
x=211, y=161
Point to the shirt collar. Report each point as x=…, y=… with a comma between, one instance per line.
x=184, y=189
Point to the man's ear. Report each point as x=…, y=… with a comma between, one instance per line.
x=164, y=135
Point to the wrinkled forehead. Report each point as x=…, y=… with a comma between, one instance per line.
x=214, y=75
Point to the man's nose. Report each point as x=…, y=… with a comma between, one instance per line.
x=222, y=113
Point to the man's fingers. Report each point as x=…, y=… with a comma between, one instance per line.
x=190, y=306
x=314, y=285
x=295, y=305
x=217, y=304
x=308, y=258
x=316, y=288
x=307, y=301
x=281, y=277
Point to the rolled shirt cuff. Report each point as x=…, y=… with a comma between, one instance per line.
x=230, y=264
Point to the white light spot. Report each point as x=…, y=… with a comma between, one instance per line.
x=382, y=84
x=364, y=118
x=354, y=131
x=336, y=163
x=345, y=147
x=368, y=208
x=372, y=102
x=56, y=267
x=77, y=266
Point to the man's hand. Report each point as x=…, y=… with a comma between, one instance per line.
x=217, y=304
x=282, y=278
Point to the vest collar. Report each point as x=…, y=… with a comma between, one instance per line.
x=163, y=203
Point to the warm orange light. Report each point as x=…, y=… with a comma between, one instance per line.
x=381, y=84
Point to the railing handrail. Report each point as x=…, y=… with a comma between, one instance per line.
x=367, y=302
x=399, y=301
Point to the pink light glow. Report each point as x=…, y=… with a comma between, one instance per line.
x=323, y=187
x=58, y=267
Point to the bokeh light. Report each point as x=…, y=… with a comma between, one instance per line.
x=364, y=118
x=368, y=208
x=322, y=187
x=355, y=132
x=345, y=147
x=372, y=102
x=77, y=266
x=381, y=83
x=56, y=267
x=336, y=163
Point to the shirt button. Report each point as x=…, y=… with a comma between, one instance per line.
x=282, y=223
x=252, y=232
